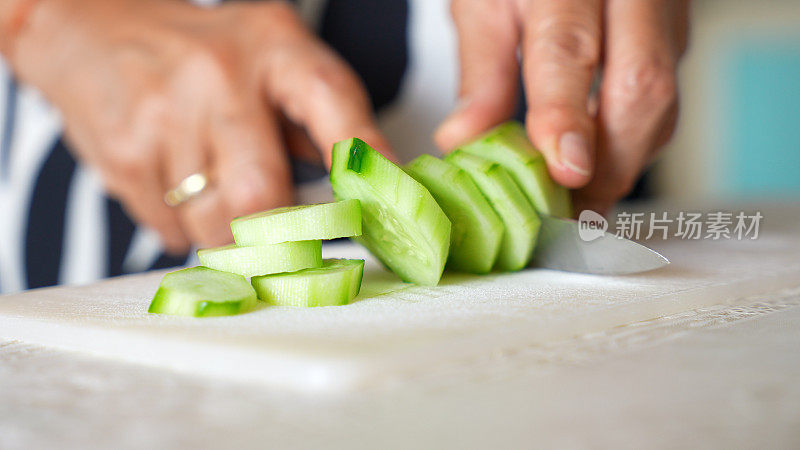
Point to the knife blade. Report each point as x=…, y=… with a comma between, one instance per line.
x=561, y=247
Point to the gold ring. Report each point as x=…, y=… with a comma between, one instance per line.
x=189, y=187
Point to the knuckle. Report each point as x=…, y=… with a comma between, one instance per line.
x=570, y=41
x=203, y=66
x=651, y=82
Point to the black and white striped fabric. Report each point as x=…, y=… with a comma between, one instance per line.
x=58, y=226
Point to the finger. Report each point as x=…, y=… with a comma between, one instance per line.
x=298, y=143
x=638, y=101
x=132, y=171
x=252, y=168
x=488, y=35
x=139, y=185
x=206, y=218
x=319, y=91
x=203, y=217
x=561, y=49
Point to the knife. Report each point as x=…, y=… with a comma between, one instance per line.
x=561, y=247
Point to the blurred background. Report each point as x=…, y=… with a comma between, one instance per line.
x=739, y=133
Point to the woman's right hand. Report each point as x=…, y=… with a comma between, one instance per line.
x=152, y=91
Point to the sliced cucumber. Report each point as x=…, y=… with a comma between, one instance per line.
x=508, y=145
x=520, y=219
x=203, y=292
x=263, y=259
x=403, y=226
x=477, y=231
x=337, y=282
x=299, y=223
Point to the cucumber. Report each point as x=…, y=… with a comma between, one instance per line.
x=402, y=224
x=263, y=259
x=477, y=231
x=203, y=292
x=520, y=219
x=299, y=223
x=337, y=282
x=508, y=145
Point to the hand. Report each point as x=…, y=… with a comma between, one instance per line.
x=152, y=91
x=595, y=143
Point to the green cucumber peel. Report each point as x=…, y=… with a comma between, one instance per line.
x=203, y=292
x=337, y=282
x=263, y=259
x=402, y=225
x=508, y=145
x=299, y=223
x=477, y=231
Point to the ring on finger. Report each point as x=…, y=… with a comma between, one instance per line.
x=190, y=187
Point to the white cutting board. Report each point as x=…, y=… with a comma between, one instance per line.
x=396, y=331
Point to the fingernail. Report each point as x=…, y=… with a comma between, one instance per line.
x=573, y=151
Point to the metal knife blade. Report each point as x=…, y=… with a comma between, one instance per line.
x=560, y=247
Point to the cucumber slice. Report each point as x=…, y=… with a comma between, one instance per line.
x=203, y=292
x=335, y=283
x=263, y=259
x=403, y=226
x=520, y=219
x=477, y=231
x=508, y=145
x=299, y=223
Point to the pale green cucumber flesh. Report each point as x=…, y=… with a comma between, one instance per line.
x=263, y=259
x=299, y=223
x=477, y=231
x=508, y=145
x=203, y=292
x=520, y=219
x=402, y=225
x=337, y=282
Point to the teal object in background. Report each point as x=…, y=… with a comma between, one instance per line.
x=761, y=126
